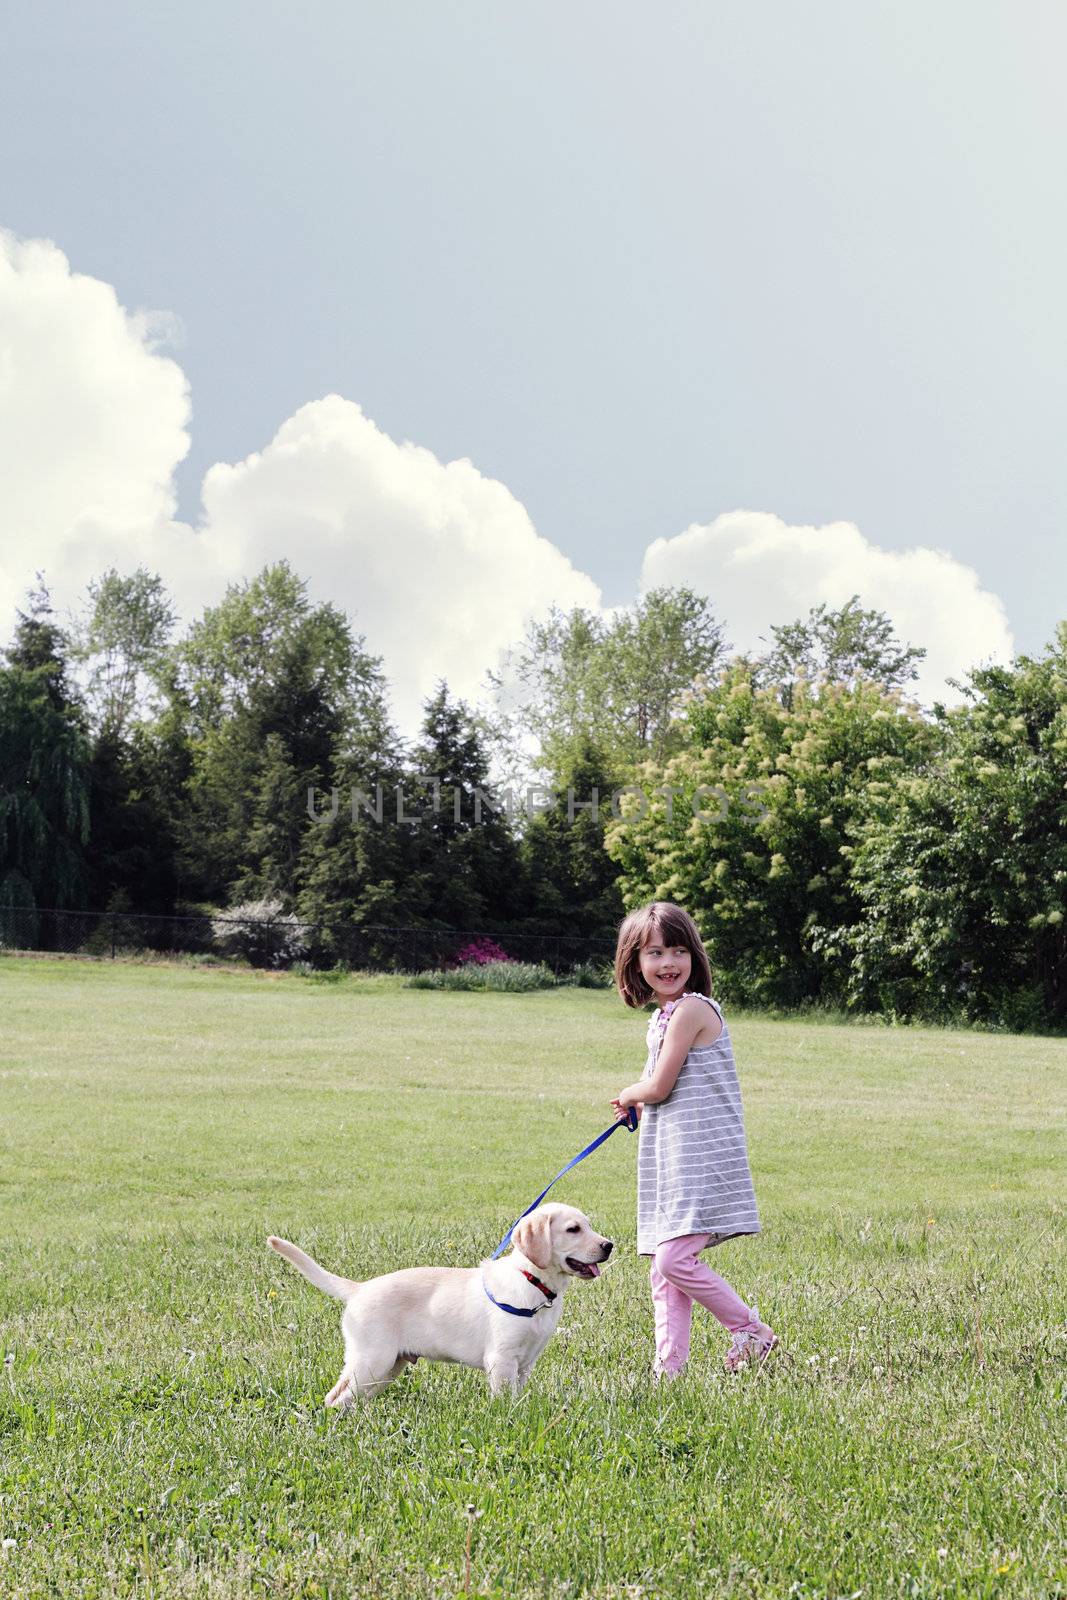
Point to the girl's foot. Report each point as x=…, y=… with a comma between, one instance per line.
x=753, y=1343
x=665, y=1374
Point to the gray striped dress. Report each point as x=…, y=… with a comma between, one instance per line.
x=692, y=1159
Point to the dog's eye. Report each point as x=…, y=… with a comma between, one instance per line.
x=574, y=1228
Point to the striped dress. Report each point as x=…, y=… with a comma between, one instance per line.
x=692, y=1159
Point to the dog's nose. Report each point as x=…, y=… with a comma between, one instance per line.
x=607, y=1246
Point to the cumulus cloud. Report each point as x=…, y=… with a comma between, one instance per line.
x=757, y=570
x=93, y=421
x=439, y=566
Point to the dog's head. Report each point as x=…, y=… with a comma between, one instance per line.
x=561, y=1237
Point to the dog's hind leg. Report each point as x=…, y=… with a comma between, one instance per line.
x=371, y=1363
x=363, y=1380
x=340, y=1394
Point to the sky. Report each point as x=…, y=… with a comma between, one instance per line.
x=471, y=311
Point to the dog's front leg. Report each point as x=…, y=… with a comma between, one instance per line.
x=503, y=1373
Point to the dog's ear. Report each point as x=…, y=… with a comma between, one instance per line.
x=533, y=1236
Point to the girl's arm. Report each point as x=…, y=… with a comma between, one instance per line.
x=683, y=1027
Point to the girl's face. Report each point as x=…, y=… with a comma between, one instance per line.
x=665, y=968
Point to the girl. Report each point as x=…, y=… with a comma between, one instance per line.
x=694, y=1188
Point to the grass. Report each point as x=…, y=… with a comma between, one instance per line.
x=161, y=1425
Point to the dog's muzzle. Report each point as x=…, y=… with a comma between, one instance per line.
x=589, y=1269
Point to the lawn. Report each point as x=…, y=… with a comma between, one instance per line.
x=161, y=1423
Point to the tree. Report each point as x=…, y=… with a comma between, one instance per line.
x=356, y=870
x=962, y=869
x=44, y=816
x=620, y=684
x=121, y=641
x=465, y=856
x=119, y=644
x=40, y=645
x=134, y=803
x=268, y=687
x=751, y=836
x=571, y=876
x=849, y=646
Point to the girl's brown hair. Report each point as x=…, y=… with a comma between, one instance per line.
x=668, y=924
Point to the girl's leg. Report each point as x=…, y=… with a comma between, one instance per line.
x=673, y=1312
x=676, y=1262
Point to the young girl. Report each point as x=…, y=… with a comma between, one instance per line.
x=694, y=1188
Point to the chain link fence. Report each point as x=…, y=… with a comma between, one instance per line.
x=284, y=942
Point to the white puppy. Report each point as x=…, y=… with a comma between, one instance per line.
x=498, y=1316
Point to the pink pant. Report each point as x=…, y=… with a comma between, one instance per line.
x=678, y=1279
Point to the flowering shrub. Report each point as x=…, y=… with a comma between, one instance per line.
x=511, y=976
x=480, y=952
x=261, y=933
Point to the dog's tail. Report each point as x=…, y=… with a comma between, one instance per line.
x=340, y=1288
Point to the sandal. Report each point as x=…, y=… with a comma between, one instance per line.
x=751, y=1344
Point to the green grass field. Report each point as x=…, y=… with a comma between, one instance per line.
x=161, y=1423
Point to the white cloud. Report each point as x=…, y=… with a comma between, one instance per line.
x=438, y=566
x=93, y=422
x=757, y=570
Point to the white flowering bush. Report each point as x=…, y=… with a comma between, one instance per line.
x=260, y=932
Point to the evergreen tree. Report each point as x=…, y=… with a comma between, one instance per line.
x=356, y=864
x=466, y=860
x=571, y=876
x=132, y=849
x=44, y=813
x=40, y=645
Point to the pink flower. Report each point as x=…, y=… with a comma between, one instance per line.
x=481, y=952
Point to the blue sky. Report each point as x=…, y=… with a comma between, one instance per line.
x=645, y=266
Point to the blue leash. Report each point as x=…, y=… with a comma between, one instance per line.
x=630, y=1123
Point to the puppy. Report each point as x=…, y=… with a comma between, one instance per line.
x=498, y=1316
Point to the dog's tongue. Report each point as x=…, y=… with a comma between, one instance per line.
x=594, y=1270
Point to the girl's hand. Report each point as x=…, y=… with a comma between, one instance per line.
x=619, y=1110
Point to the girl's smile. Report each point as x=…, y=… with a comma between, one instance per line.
x=666, y=970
